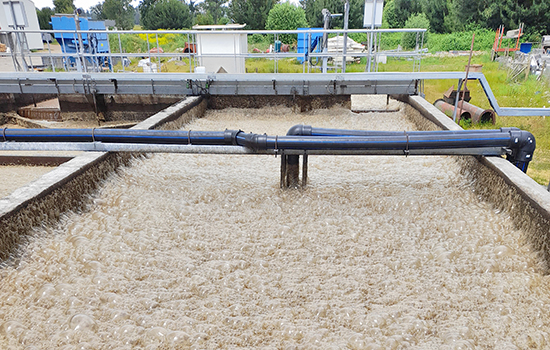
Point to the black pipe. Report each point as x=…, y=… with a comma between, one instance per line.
x=306, y=130
x=116, y=136
x=520, y=144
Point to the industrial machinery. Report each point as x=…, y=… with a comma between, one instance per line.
x=87, y=45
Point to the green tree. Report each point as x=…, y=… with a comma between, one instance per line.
x=120, y=11
x=466, y=14
x=143, y=8
x=409, y=40
x=44, y=17
x=436, y=11
x=204, y=19
x=356, y=13
x=286, y=16
x=536, y=18
x=165, y=14
x=224, y=20
x=404, y=9
x=314, y=8
x=63, y=6
x=252, y=12
x=388, y=16
x=215, y=8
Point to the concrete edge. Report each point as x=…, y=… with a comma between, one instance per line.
x=507, y=187
x=169, y=114
x=24, y=208
x=431, y=113
x=49, y=182
x=527, y=187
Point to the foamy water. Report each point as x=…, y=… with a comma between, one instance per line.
x=206, y=251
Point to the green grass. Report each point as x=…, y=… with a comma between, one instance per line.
x=529, y=93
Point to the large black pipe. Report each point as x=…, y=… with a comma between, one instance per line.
x=116, y=136
x=307, y=130
x=521, y=144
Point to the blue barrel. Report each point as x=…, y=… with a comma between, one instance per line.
x=525, y=47
x=278, y=45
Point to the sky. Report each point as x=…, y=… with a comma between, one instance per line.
x=84, y=4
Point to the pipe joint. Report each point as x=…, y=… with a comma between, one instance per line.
x=300, y=130
x=252, y=141
x=230, y=136
x=522, y=147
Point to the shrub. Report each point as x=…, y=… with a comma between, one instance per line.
x=166, y=14
x=461, y=41
x=256, y=38
x=286, y=16
x=408, y=40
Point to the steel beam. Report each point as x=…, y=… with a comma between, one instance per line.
x=240, y=84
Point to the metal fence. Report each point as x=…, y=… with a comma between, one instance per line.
x=188, y=51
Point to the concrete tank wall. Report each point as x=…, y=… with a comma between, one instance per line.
x=67, y=186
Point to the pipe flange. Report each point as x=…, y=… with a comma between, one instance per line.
x=230, y=137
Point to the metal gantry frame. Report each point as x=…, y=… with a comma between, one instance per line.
x=290, y=84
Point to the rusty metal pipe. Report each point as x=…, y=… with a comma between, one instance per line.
x=449, y=109
x=479, y=115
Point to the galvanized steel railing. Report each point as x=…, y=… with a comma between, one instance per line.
x=47, y=59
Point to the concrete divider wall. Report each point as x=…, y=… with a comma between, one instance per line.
x=500, y=182
x=11, y=102
x=66, y=187
x=113, y=107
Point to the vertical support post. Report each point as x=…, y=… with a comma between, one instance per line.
x=81, y=58
x=326, y=26
x=346, y=20
x=11, y=43
x=120, y=49
x=283, y=170
x=148, y=47
x=66, y=60
x=293, y=171
x=50, y=52
x=304, y=170
x=290, y=171
x=308, y=57
x=456, y=98
x=158, y=52
x=466, y=78
x=371, y=39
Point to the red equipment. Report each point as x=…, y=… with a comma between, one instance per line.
x=499, y=36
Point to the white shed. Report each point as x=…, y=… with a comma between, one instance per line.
x=25, y=15
x=217, y=50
